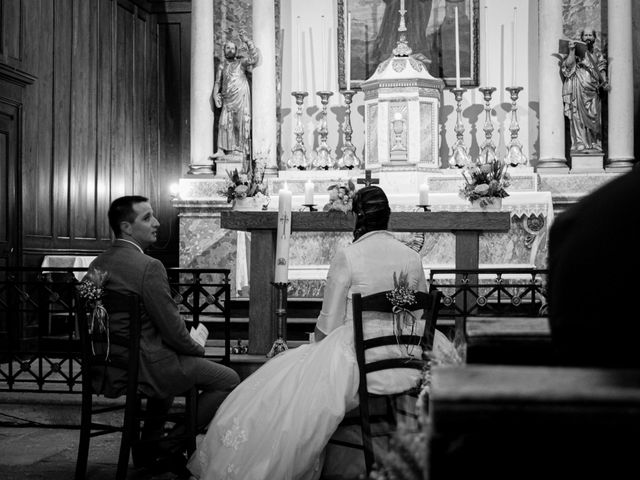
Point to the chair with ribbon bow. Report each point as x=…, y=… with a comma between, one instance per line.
x=369, y=403
x=101, y=349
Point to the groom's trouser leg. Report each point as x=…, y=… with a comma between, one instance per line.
x=214, y=382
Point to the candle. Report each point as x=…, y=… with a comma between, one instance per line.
x=325, y=66
x=300, y=36
x=402, y=5
x=486, y=49
x=513, y=61
x=457, y=51
x=347, y=59
x=308, y=193
x=283, y=236
x=423, y=194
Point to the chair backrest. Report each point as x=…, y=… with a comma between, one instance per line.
x=119, y=349
x=378, y=302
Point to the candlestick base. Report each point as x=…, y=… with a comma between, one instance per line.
x=310, y=206
x=424, y=207
x=280, y=344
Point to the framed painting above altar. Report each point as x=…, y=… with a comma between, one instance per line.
x=430, y=33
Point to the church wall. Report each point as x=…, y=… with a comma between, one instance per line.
x=105, y=117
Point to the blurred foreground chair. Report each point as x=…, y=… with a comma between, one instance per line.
x=370, y=410
x=97, y=354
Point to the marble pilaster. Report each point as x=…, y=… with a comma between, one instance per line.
x=264, y=129
x=202, y=78
x=620, y=119
x=552, y=158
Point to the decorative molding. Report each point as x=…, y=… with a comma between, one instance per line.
x=16, y=76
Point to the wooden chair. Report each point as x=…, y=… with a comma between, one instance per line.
x=94, y=357
x=378, y=302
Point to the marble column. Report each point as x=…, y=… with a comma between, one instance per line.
x=202, y=77
x=552, y=158
x=620, y=118
x=263, y=103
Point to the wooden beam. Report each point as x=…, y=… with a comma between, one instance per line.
x=399, y=221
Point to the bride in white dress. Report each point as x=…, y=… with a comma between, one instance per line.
x=276, y=424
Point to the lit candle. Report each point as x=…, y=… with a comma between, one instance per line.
x=513, y=61
x=486, y=48
x=283, y=236
x=423, y=194
x=308, y=193
x=347, y=59
x=457, y=51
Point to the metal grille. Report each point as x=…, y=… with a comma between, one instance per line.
x=39, y=346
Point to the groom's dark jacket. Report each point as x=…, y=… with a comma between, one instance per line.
x=164, y=336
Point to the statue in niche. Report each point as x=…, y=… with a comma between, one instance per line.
x=584, y=71
x=232, y=93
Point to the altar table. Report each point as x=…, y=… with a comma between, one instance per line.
x=466, y=226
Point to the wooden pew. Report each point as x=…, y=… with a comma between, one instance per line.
x=521, y=422
x=509, y=341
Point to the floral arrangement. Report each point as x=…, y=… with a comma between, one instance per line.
x=340, y=197
x=91, y=289
x=402, y=297
x=242, y=185
x=485, y=180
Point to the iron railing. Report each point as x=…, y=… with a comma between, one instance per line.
x=39, y=346
x=491, y=292
x=507, y=292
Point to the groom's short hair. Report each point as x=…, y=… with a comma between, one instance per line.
x=121, y=210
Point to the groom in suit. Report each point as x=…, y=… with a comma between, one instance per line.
x=170, y=360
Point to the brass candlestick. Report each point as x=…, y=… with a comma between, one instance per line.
x=298, y=152
x=515, y=155
x=323, y=158
x=349, y=158
x=459, y=153
x=280, y=344
x=488, y=149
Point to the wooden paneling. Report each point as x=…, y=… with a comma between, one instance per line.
x=107, y=116
x=11, y=30
x=9, y=148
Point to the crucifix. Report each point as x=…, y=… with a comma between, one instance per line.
x=367, y=180
x=284, y=219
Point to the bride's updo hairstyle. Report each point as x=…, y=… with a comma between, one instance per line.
x=371, y=208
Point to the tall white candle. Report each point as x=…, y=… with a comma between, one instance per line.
x=457, y=51
x=308, y=193
x=325, y=62
x=423, y=193
x=299, y=38
x=402, y=5
x=486, y=48
x=347, y=59
x=513, y=60
x=283, y=236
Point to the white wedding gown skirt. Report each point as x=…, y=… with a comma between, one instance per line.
x=277, y=423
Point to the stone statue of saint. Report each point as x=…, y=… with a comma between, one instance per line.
x=232, y=92
x=584, y=79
